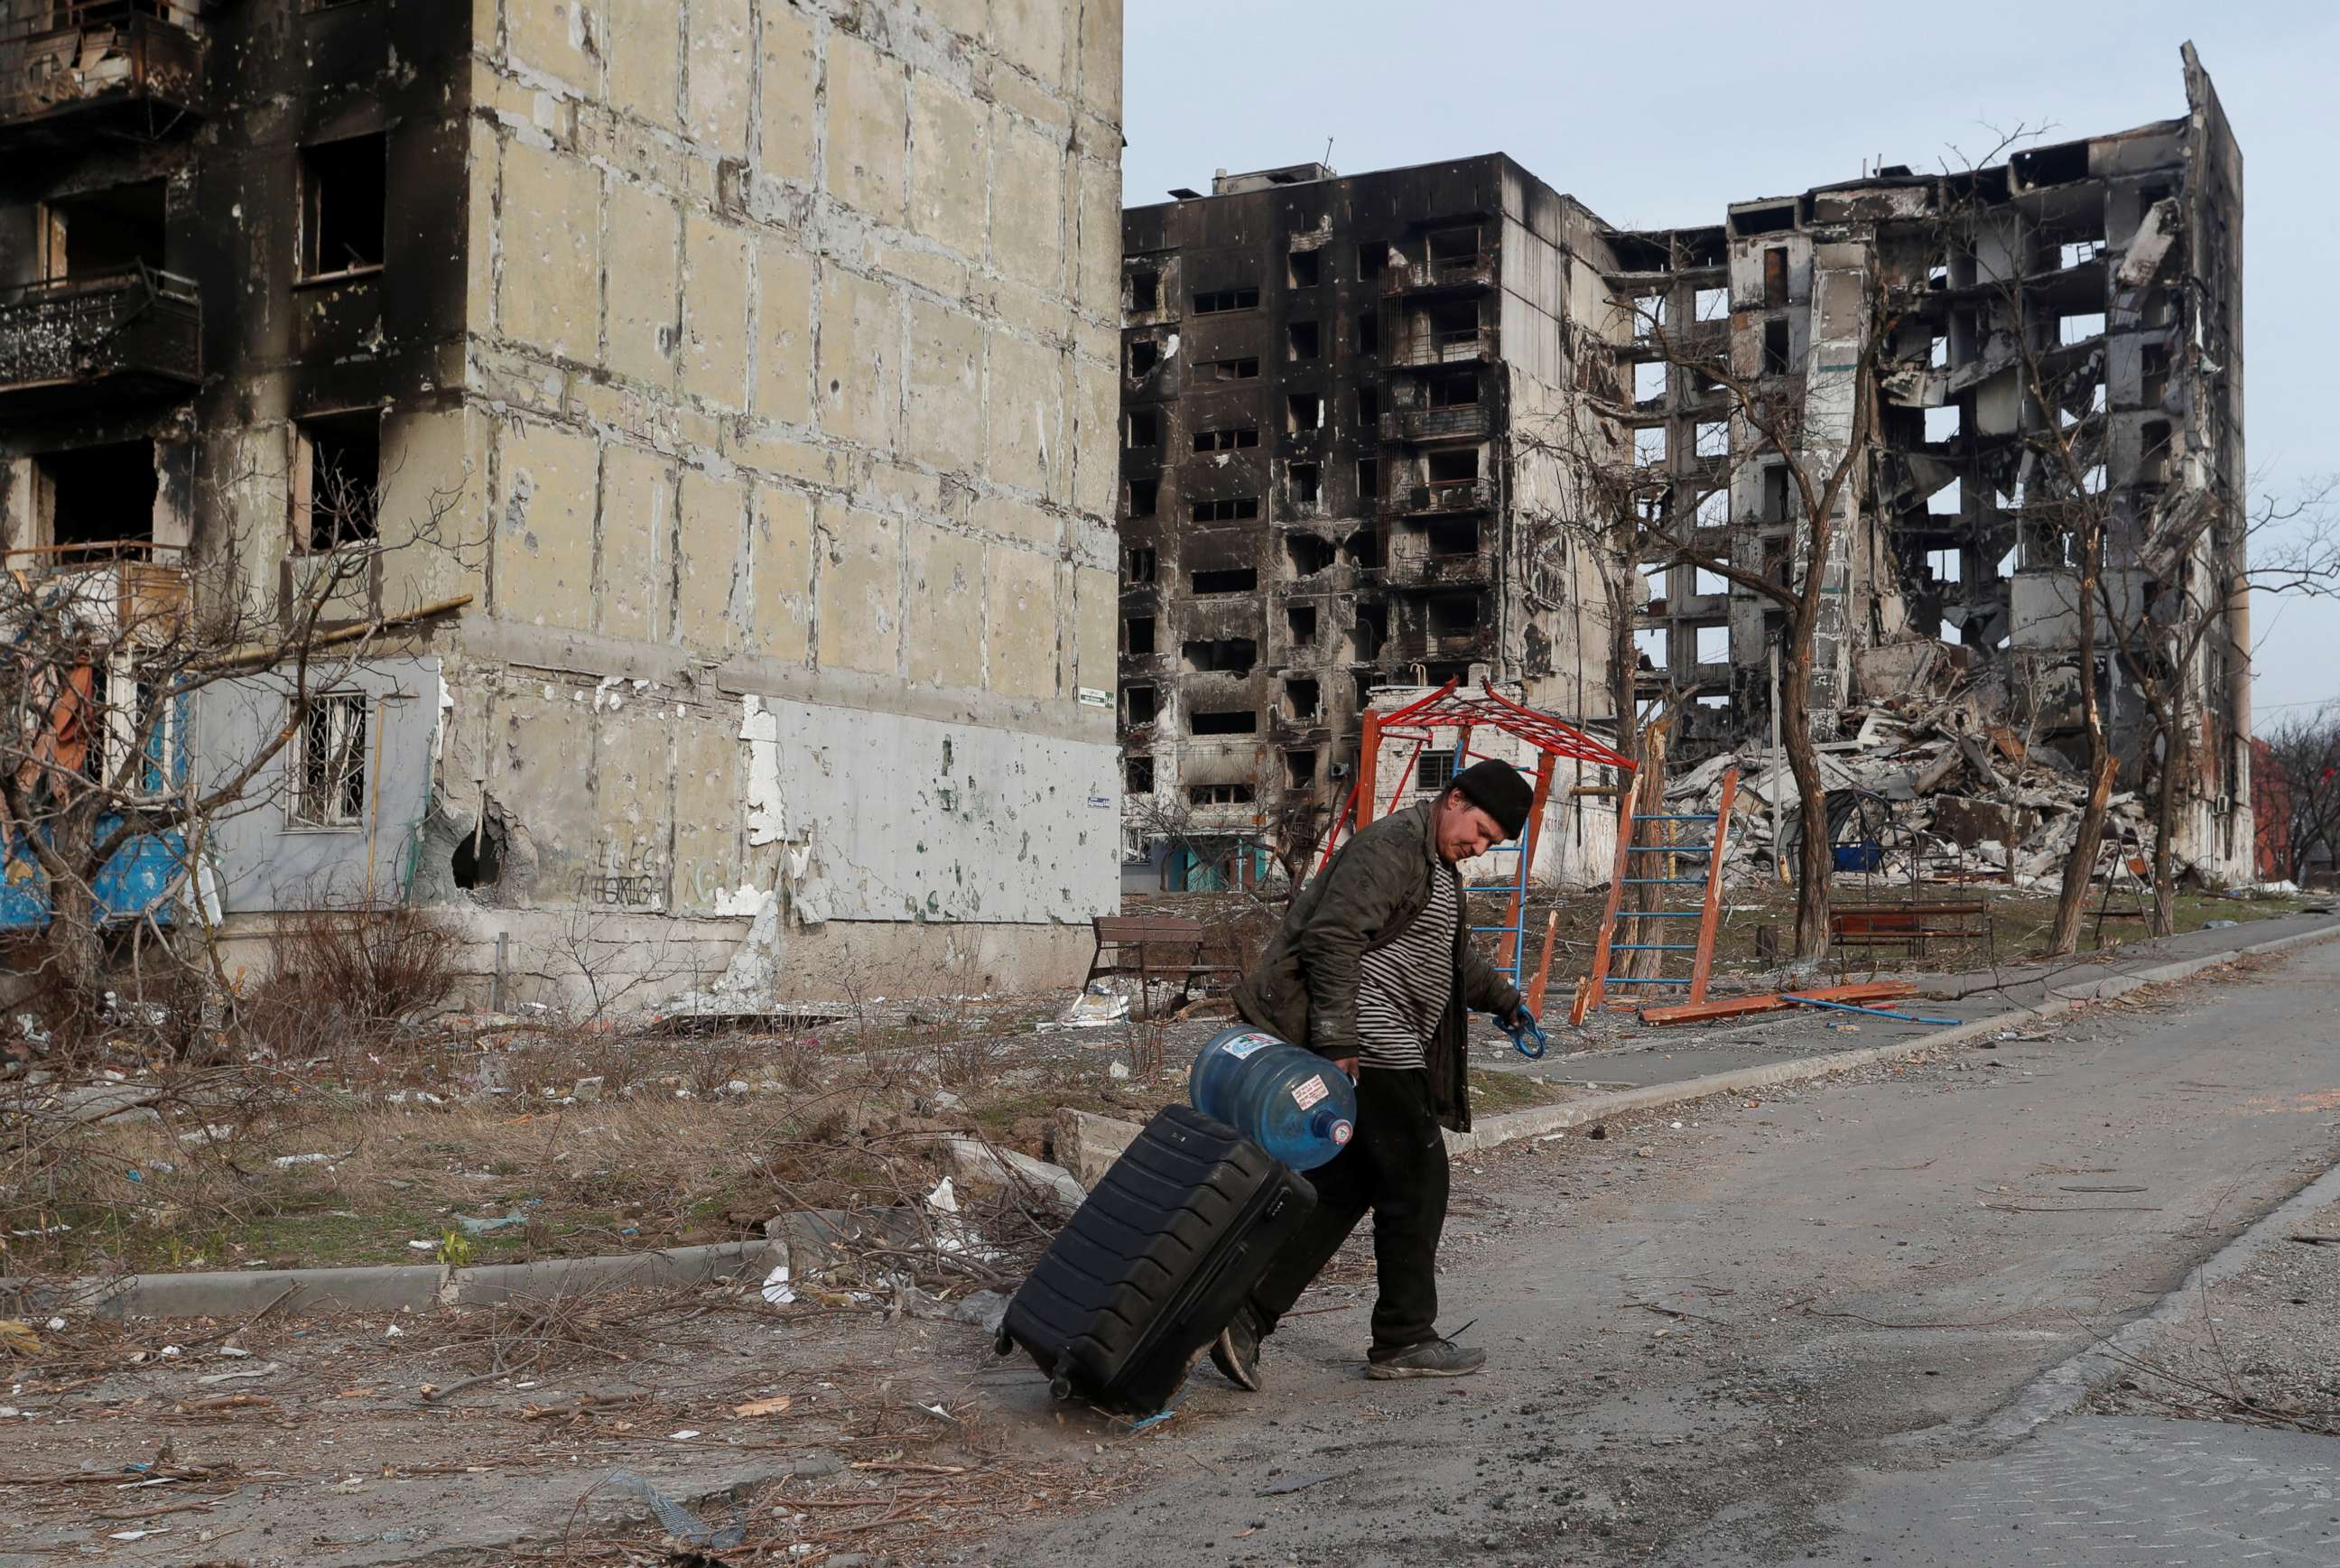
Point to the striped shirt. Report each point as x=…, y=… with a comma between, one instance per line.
x=1403, y=988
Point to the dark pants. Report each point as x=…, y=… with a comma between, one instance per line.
x=1395, y=1165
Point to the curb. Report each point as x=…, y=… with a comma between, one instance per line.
x=420, y=1287
x=394, y=1287
x=1512, y=1125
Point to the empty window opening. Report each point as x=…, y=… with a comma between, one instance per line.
x=1232, y=509
x=2155, y=389
x=2079, y=327
x=1650, y=446
x=1713, y=645
x=1144, y=290
x=1775, y=276
x=2079, y=253
x=1937, y=352
x=1714, y=509
x=1649, y=381
x=1218, y=794
x=1140, y=565
x=1306, y=554
x=344, y=187
x=1712, y=438
x=1370, y=631
x=104, y=232
x=1301, y=698
x=1711, y=305
x=2152, y=465
x=1144, y=353
x=1454, y=325
x=1369, y=481
x=1241, y=369
x=1305, y=269
x=1453, y=245
x=1434, y=771
x=1649, y=643
x=1306, y=411
x=1653, y=585
x=1369, y=332
x=1776, y=358
x=1143, y=493
x=1649, y=316
x=1765, y=220
x=1363, y=548
x=1306, y=483
x=1775, y=492
x=1138, y=636
x=329, y=766
x=2092, y=482
x=1944, y=564
x=1226, y=439
x=1453, y=467
x=1948, y=501
x=1944, y=423
x=1452, y=536
x=337, y=486
x=1224, y=721
x=1228, y=655
x=1703, y=581
x=2006, y=567
x=1227, y=580
x=98, y=497
x=1454, y=615
x=1369, y=406
x=1453, y=391
x=1714, y=700
x=1304, y=342
x=1951, y=634
x=1145, y=427
x=1372, y=260
x=1138, y=705
x=1138, y=776
x=1299, y=769
x=1213, y=301
x=1300, y=624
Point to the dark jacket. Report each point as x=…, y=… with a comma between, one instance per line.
x=1305, y=986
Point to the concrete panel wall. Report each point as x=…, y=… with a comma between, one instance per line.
x=791, y=369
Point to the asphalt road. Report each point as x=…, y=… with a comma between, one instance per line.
x=1776, y=1330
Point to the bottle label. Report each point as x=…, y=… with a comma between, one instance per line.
x=1306, y=1095
x=1342, y=1133
x=1243, y=1045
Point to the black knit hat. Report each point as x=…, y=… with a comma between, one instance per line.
x=1498, y=790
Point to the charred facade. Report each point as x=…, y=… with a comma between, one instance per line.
x=2090, y=288
x=1323, y=491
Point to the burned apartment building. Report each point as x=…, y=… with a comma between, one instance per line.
x=753, y=368
x=1333, y=390
x=1272, y=570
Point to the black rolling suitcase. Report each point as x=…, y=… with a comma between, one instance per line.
x=1155, y=1261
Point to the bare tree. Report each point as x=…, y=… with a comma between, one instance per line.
x=2298, y=784
x=103, y=821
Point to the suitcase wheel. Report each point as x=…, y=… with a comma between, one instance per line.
x=1060, y=1386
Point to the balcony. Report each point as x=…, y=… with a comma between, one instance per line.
x=1454, y=346
x=126, y=66
x=1445, y=495
x=122, y=590
x=1437, y=570
x=1440, y=273
x=69, y=342
x=1459, y=422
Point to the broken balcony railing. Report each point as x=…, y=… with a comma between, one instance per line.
x=136, y=63
x=1440, y=272
x=1458, y=421
x=139, y=324
x=1458, y=345
x=128, y=589
x=1440, y=495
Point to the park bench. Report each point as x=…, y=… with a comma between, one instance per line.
x=1150, y=947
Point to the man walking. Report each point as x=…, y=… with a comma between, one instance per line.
x=1374, y=967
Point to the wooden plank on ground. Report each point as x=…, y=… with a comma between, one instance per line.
x=1772, y=1002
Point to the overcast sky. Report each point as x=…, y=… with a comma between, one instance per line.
x=1658, y=115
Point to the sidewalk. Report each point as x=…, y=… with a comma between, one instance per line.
x=1634, y=1066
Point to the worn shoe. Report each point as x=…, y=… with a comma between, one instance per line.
x=1236, y=1351
x=1430, y=1358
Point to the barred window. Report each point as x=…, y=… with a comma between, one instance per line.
x=329, y=771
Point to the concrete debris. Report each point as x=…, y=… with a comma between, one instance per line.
x=1088, y=1145
x=1105, y=1002
x=983, y=1164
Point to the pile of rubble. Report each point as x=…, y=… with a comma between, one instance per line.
x=1941, y=792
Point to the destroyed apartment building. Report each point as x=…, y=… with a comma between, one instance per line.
x=717, y=400
x=1278, y=561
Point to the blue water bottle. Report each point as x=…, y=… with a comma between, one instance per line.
x=1293, y=1102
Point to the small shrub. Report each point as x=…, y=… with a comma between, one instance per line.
x=346, y=978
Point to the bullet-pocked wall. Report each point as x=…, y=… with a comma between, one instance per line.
x=785, y=452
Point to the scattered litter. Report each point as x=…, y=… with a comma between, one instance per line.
x=1093, y=1009
x=17, y=1337
x=286, y=1162
x=942, y=1198
x=422, y=1246
x=685, y=1435
x=755, y=1407
x=392, y=1332
x=677, y=1521
x=776, y=1287
x=1117, y=1070
x=482, y=1227
x=1297, y=1483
